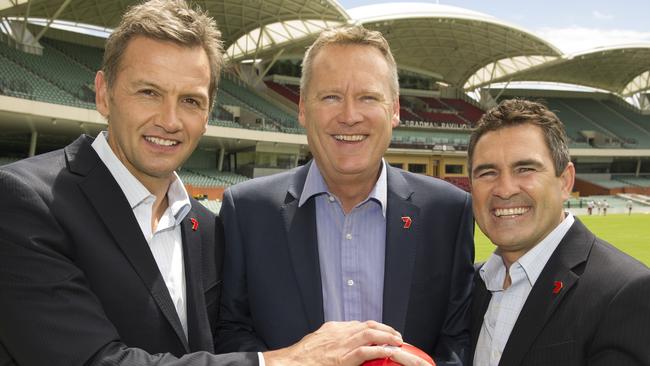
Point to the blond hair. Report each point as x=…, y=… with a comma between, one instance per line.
x=349, y=35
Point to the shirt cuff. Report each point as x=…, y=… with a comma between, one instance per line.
x=261, y=359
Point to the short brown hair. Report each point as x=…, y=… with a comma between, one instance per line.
x=349, y=35
x=516, y=112
x=166, y=20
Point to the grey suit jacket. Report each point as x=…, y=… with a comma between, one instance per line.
x=78, y=283
x=600, y=316
x=272, y=287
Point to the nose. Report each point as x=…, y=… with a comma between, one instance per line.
x=350, y=114
x=506, y=186
x=169, y=118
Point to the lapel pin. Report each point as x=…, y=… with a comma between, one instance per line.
x=195, y=224
x=557, y=286
x=407, y=222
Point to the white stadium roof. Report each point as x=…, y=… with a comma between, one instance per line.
x=463, y=48
x=447, y=42
x=621, y=69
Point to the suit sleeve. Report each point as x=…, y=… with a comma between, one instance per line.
x=235, y=331
x=48, y=312
x=453, y=346
x=622, y=336
x=117, y=354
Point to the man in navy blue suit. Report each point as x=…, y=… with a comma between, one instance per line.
x=347, y=236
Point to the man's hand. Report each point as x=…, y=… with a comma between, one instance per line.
x=407, y=359
x=342, y=344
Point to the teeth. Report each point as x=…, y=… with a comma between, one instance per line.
x=159, y=141
x=515, y=211
x=352, y=138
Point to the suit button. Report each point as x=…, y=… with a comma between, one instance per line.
x=348, y=236
x=350, y=282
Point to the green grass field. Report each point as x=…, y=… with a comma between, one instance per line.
x=630, y=234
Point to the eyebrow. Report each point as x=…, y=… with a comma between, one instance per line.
x=525, y=162
x=144, y=83
x=141, y=83
x=532, y=162
x=337, y=90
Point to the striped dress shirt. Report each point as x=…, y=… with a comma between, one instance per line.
x=351, y=249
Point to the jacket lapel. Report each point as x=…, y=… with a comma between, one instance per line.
x=542, y=301
x=480, y=302
x=198, y=325
x=401, y=247
x=105, y=195
x=300, y=225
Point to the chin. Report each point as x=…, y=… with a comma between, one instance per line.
x=160, y=172
x=503, y=240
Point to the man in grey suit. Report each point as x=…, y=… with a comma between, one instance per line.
x=104, y=258
x=552, y=293
x=347, y=236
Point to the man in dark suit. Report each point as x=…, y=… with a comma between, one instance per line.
x=347, y=236
x=552, y=293
x=104, y=259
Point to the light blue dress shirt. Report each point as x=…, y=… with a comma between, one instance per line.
x=351, y=249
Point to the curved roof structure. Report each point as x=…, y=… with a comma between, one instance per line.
x=235, y=18
x=463, y=48
x=622, y=69
x=447, y=42
x=270, y=37
x=105, y=14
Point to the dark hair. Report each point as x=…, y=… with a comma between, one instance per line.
x=517, y=112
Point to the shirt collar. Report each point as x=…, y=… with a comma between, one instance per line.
x=533, y=262
x=315, y=185
x=136, y=193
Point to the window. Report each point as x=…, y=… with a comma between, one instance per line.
x=418, y=168
x=453, y=169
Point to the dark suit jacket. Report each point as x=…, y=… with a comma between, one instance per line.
x=272, y=287
x=78, y=281
x=600, y=316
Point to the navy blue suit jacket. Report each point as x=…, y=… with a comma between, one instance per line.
x=272, y=294
x=78, y=282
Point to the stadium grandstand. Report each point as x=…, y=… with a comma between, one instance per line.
x=453, y=64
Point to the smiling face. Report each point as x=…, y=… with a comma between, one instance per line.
x=517, y=198
x=349, y=113
x=157, y=108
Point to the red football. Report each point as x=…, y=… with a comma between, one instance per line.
x=406, y=347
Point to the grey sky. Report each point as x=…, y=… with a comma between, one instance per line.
x=570, y=25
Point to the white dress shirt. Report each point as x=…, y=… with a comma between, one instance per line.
x=165, y=243
x=505, y=305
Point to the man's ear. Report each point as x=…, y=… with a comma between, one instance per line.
x=101, y=94
x=301, y=112
x=394, y=120
x=567, y=178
